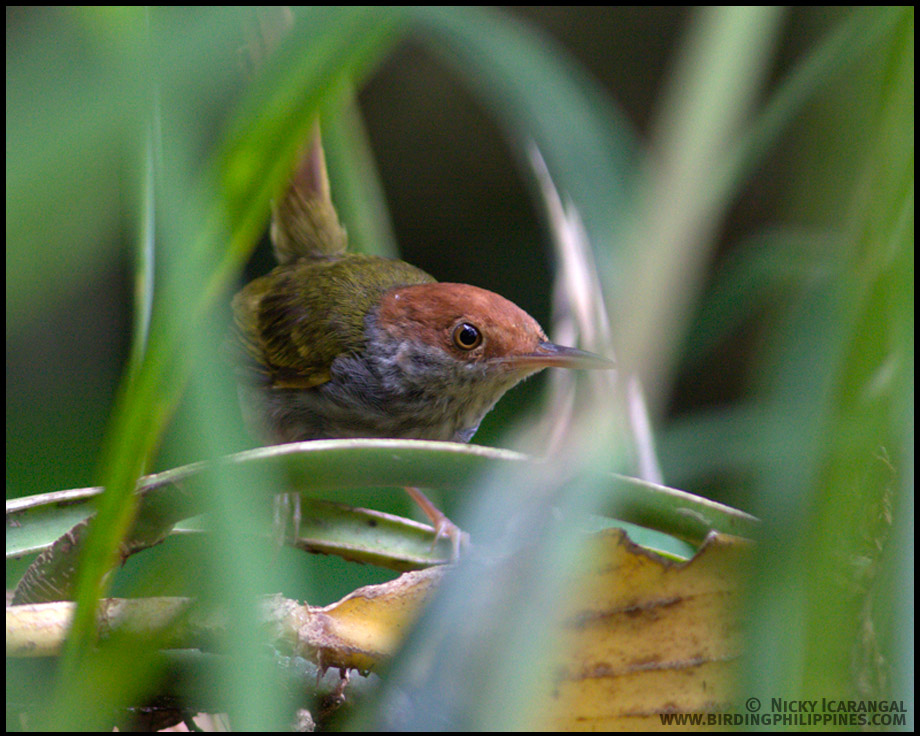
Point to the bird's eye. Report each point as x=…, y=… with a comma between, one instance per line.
x=467, y=336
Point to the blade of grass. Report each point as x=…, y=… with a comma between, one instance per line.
x=250, y=165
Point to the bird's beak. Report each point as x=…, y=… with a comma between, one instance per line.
x=550, y=355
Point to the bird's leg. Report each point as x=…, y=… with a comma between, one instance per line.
x=443, y=527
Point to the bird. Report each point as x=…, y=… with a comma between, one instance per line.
x=337, y=344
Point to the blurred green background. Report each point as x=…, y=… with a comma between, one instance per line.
x=459, y=207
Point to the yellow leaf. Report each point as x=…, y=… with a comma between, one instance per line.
x=365, y=626
x=646, y=636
